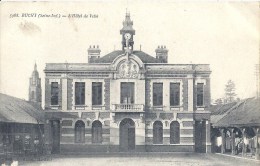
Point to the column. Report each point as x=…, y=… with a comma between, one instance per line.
x=233, y=144
x=223, y=137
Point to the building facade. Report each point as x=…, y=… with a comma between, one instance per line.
x=127, y=101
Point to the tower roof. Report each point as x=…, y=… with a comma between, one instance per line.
x=127, y=24
x=35, y=72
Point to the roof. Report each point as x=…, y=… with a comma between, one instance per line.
x=243, y=113
x=15, y=110
x=109, y=58
x=219, y=111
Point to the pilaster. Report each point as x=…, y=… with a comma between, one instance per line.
x=64, y=82
x=190, y=94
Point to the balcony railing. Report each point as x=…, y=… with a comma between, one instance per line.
x=128, y=107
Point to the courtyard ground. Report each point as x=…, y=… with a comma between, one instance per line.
x=144, y=159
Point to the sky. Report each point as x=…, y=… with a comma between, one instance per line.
x=222, y=34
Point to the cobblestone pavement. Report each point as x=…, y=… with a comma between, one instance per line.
x=146, y=159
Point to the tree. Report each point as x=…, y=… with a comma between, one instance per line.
x=230, y=91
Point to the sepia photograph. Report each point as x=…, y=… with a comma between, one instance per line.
x=129, y=83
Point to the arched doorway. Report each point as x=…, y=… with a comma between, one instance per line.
x=157, y=132
x=174, y=132
x=97, y=132
x=127, y=135
x=79, y=132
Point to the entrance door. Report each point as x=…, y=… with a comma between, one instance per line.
x=55, y=129
x=127, y=135
x=200, y=136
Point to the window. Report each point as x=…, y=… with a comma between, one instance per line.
x=96, y=132
x=97, y=93
x=200, y=93
x=54, y=93
x=127, y=93
x=157, y=94
x=175, y=133
x=80, y=93
x=157, y=132
x=79, y=132
x=33, y=80
x=175, y=94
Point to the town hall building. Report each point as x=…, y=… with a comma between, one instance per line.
x=127, y=101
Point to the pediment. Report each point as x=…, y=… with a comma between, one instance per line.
x=128, y=67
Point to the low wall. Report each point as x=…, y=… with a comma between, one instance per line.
x=86, y=149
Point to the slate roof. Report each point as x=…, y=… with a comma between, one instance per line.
x=15, y=110
x=243, y=113
x=145, y=58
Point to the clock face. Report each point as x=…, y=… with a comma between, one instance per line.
x=128, y=36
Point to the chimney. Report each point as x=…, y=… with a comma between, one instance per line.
x=93, y=53
x=162, y=54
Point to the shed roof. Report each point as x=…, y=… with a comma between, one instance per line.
x=243, y=113
x=15, y=110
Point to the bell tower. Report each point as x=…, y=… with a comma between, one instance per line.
x=127, y=29
x=35, y=90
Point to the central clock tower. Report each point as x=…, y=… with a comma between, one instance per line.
x=127, y=29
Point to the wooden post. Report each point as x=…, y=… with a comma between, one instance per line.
x=243, y=145
x=257, y=153
x=223, y=137
x=233, y=144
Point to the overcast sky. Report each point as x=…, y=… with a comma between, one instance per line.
x=224, y=35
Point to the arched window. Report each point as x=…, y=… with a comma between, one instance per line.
x=79, y=132
x=157, y=132
x=96, y=132
x=175, y=133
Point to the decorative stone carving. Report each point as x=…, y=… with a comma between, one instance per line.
x=128, y=70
